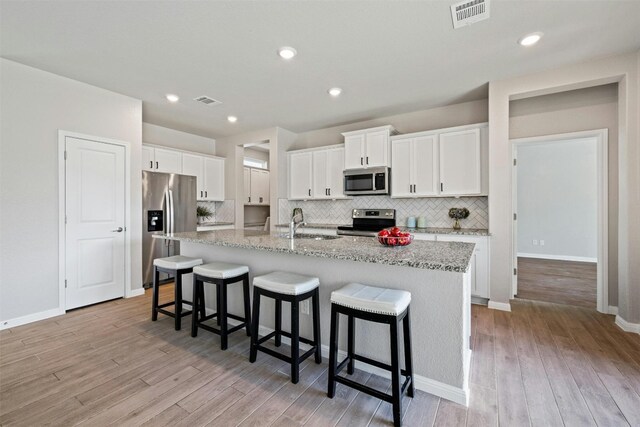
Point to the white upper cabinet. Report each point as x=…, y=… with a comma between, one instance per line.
x=300, y=175
x=193, y=164
x=368, y=147
x=443, y=162
x=460, y=162
x=213, y=179
x=414, y=166
x=259, y=187
x=327, y=173
x=161, y=160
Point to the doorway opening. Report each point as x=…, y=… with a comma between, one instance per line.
x=560, y=219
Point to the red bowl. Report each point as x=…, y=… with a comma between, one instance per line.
x=395, y=241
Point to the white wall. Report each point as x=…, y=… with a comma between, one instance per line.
x=557, y=201
x=158, y=135
x=622, y=69
x=35, y=105
x=257, y=154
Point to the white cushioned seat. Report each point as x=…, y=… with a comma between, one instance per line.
x=284, y=282
x=372, y=299
x=177, y=262
x=220, y=270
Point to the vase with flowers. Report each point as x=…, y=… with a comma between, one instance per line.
x=458, y=214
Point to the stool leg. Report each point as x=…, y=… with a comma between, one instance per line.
x=196, y=305
x=295, y=341
x=247, y=304
x=350, y=344
x=222, y=316
x=156, y=292
x=178, y=300
x=278, y=322
x=218, y=299
x=408, y=357
x=395, y=374
x=253, y=352
x=333, y=351
x=203, y=307
x=316, y=325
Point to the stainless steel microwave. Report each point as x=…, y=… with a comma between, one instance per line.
x=361, y=182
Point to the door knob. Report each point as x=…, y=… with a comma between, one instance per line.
x=118, y=230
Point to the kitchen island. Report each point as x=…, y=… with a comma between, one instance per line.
x=436, y=273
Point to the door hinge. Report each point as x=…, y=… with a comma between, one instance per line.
x=515, y=217
x=515, y=271
x=65, y=154
x=515, y=162
x=65, y=283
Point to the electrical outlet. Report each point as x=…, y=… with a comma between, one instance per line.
x=305, y=307
x=535, y=242
x=541, y=242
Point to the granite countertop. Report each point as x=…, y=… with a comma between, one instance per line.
x=429, y=255
x=435, y=230
x=213, y=224
x=313, y=225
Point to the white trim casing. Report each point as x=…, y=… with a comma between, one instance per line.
x=613, y=309
x=62, y=244
x=558, y=257
x=502, y=306
x=602, y=139
x=627, y=326
x=30, y=318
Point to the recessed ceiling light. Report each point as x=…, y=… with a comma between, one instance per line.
x=335, y=91
x=287, y=52
x=232, y=119
x=530, y=39
x=172, y=98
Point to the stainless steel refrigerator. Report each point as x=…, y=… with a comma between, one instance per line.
x=169, y=206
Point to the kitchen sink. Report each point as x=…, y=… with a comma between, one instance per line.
x=311, y=236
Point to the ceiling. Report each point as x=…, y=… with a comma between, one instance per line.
x=389, y=57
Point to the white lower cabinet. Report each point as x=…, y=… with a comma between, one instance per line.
x=479, y=263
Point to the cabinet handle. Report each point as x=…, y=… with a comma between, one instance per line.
x=441, y=187
x=410, y=188
x=205, y=193
x=329, y=191
x=249, y=199
x=309, y=192
x=414, y=188
x=367, y=159
x=201, y=193
x=260, y=200
x=156, y=165
x=150, y=164
x=361, y=161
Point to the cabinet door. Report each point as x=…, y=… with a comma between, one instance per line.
x=148, y=159
x=480, y=262
x=354, y=151
x=335, y=167
x=424, y=166
x=376, y=149
x=460, y=162
x=320, y=189
x=168, y=161
x=247, y=185
x=300, y=175
x=213, y=179
x=259, y=187
x=401, y=162
x=194, y=165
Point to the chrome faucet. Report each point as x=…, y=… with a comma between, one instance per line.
x=296, y=221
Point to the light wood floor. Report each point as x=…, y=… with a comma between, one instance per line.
x=561, y=282
x=542, y=364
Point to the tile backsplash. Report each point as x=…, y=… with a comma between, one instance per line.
x=222, y=211
x=435, y=210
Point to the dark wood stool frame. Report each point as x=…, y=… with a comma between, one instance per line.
x=222, y=314
x=397, y=389
x=295, y=359
x=177, y=302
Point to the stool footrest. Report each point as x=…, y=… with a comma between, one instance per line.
x=218, y=331
x=365, y=389
x=372, y=362
x=301, y=339
x=171, y=314
x=285, y=358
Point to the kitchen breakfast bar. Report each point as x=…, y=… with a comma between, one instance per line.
x=437, y=274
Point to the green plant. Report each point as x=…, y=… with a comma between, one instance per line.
x=203, y=211
x=458, y=213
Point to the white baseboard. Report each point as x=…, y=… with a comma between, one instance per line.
x=437, y=388
x=12, y=323
x=627, y=326
x=502, y=306
x=613, y=310
x=558, y=257
x=134, y=293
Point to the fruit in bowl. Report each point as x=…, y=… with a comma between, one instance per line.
x=394, y=237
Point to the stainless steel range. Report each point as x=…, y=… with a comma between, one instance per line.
x=367, y=222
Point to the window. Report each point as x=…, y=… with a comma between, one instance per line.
x=255, y=163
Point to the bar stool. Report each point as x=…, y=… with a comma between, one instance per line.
x=176, y=266
x=388, y=306
x=293, y=288
x=220, y=274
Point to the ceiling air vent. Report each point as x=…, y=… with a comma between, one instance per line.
x=206, y=100
x=469, y=12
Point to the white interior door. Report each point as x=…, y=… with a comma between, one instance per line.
x=95, y=214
